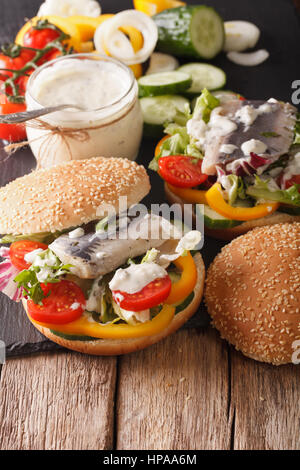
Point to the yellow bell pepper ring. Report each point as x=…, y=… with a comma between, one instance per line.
x=193, y=196
x=62, y=23
x=216, y=201
x=186, y=284
x=84, y=327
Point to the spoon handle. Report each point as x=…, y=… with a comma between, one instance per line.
x=24, y=116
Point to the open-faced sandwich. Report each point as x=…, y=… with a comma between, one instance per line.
x=96, y=274
x=240, y=159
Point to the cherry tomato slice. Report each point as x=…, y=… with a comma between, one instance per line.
x=150, y=296
x=181, y=171
x=64, y=304
x=19, y=249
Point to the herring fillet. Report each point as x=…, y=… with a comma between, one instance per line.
x=93, y=255
x=280, y=121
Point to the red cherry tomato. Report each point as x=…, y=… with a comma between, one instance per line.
x=15, y=63
x=39, y=38
x=12, y=132
x=65, y=303
x=150, y=296
x=181, y=171
x=293, y=180
x=19, y=249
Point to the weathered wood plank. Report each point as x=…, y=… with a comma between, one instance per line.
x=58, y=401
x=175, y=395
x=266, y=403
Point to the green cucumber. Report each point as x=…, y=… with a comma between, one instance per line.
x=190, y=31
x=291, y=210
x=214, y=220
x=159, y=110
x=203, y=76
x=165, y=83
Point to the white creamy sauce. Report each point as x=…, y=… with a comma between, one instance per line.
x=75, y=306
x=89, y=84
x=30, y=257
x=265, y=108
x=197, y=129
x=134, y=278
x=220, y=125
x=228, y=148
x=255, y=146
x=293, y=168
x=187, y=243
x=77, y=233
x=247, y=115
x=272, y=100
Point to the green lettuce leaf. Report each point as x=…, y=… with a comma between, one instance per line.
x=262, y=190
x=28, y=279
x=205, y=104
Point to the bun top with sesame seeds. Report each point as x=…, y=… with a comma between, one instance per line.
x=253, y=292
x=69, y=195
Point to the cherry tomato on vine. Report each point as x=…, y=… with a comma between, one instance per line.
x=64, y=304
x=182, y=171
x=15, y=63
x=18, y=250
x=39, y=38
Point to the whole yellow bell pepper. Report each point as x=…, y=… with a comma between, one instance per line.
x=216, y=201
x=180, y=290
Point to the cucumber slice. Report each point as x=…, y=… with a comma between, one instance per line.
x=159, y=110
x=214, y=220
x=291, y=210
x=160, y=62
x=73, y=337
x=165, y=83
x=190, y=31
x=204, y=76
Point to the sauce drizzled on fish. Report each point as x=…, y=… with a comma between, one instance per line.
x=239, y=128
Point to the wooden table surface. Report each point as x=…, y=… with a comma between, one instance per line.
x=191, y=391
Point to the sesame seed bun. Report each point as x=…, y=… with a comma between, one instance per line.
x=111, y=347
x=69, y=195
x=231, y=233
x=253, y=292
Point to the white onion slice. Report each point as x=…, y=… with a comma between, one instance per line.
x=119, y=39
x=248, y=59
x=105, y=34
x=67, y=8
x=240, y=35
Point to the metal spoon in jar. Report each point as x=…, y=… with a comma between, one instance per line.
x=24, y=116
